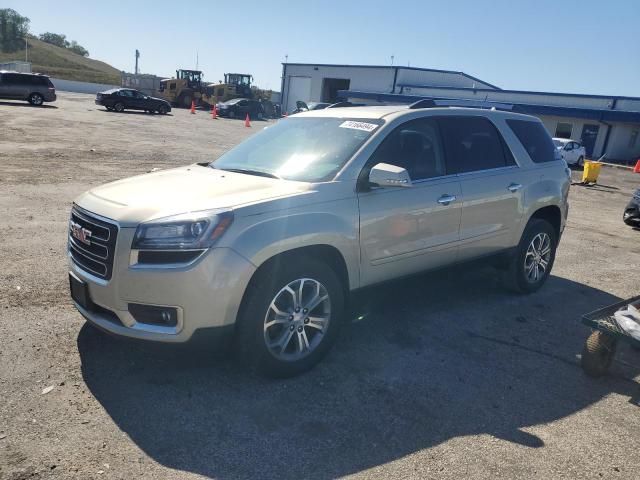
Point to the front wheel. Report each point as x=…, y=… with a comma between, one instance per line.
x=533, y=259
x=290, y=316
x=36, y=99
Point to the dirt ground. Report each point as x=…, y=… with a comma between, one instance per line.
x=445, y=375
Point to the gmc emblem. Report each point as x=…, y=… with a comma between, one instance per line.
x=80, y=233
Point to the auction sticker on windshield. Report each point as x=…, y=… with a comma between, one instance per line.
x=367, y=127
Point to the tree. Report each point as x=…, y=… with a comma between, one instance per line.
x=57, y=39
x=13, y=30
x=79, y=49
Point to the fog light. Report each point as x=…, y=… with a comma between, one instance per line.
x=153, y=315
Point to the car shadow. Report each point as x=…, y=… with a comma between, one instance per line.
x=134, y=112
x=423, y=360
x=25, y=104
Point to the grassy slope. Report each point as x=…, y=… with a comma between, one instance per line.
x=62, y=63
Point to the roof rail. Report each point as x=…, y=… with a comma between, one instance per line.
x=451, y=102
x=424, y=103
x=340, y=105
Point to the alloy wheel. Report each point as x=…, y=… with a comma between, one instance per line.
x=297, y=319
x=537, y=258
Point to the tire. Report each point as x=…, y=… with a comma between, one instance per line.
x=119, y=107
x=185, y=101
x=36, y=99
x=580, y=162
x=597, y=354
x=109, y=109
x=260, y=115
x=232, y=114
x=162, y=109
x=304, y=342
x=519, y=276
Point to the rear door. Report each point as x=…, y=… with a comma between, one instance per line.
x=404, y=230
x=491, y=184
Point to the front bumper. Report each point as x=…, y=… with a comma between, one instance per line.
x=206, y=293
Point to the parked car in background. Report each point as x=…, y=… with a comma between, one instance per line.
x=572, y=152
x=239, y=107
x=32, y=87
x=631, y=214
x=121, y=99
x=267, y=242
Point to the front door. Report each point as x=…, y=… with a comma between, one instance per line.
x=404, y=230
x=589, y=137
x=490, y=181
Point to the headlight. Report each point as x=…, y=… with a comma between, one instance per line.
x=196, y=230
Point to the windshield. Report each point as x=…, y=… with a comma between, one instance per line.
x=303, y=149
x=233, y=101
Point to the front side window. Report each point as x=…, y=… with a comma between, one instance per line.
x=302, y=149
x=414, y=146
x=473, y=144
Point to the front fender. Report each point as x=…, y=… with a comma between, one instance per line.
x=258, y=241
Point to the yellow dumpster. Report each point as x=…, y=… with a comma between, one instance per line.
x=591, y=171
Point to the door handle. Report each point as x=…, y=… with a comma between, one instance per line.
x=514, y=187
x=446, y=199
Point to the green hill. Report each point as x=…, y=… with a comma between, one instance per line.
x=62, y=63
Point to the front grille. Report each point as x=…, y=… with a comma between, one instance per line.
x=96, y=255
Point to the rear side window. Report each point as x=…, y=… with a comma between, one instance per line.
x=473, y=143
x=11, y=78
x=535, y=140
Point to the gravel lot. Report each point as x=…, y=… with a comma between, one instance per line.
x=445, y=375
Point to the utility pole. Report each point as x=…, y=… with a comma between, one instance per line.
x=392, y=57
x=26, y=49
x=137, y=57
x=197, y=60
x=286, y=58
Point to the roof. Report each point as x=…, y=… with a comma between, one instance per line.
x=397, y=67
x=379, y=112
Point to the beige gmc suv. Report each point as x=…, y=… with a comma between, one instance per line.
x=266, y=242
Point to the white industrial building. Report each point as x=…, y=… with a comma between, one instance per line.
x=606, y=125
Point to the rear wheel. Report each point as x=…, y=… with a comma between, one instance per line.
x=290, y=317
x=162, y=109
x=597, y=354
x=185, y=101
x=581, y=162
x=260, y=115
x=36, y=99
x=119, y=107
x=531, y=264
x=232, y=114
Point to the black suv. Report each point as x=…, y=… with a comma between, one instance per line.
x=121, y=99
x=32, y=87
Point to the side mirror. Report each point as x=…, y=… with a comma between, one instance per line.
x=385, y=175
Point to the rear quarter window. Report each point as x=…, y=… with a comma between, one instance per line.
x=535, y=140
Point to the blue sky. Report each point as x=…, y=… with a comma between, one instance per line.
x=564, y=46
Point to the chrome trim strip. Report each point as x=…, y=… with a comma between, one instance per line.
x=82, y=249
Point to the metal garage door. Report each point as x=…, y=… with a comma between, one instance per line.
x=299, y=89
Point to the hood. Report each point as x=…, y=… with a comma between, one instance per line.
x=181, y=190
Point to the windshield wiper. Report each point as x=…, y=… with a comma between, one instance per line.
x=248, y=171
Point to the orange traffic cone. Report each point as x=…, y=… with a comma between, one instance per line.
x=193, y=106
x=636, y=169
x=247, y=121
x=214, y=113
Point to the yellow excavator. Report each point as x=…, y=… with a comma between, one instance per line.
x=185, y=88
